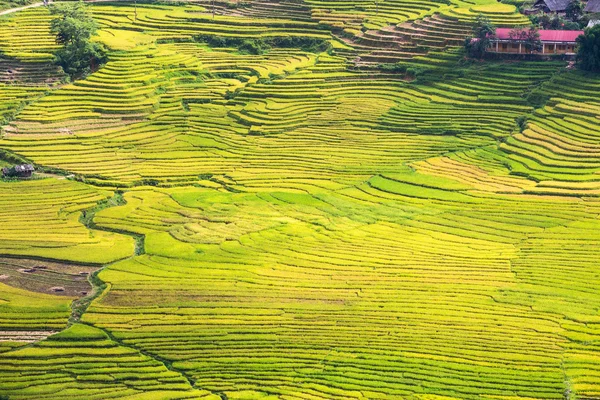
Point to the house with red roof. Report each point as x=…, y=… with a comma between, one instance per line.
x=553, y=42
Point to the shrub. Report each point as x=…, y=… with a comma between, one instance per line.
x=309, y=44
x=536, y=98
x=416, y=71
x=253, y=46
x=401, y=68
x=260, y=46
x=522, y=122
x=149, y=182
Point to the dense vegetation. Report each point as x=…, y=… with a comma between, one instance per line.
x=74, y=28
x=479, y=43
x=274, y=215
x=588, y=52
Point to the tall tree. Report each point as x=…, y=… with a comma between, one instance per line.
x=483, y=31
x=517, y=35
x=574, y=10
x=74, y=28
x=533, y=44
x=588, y=49
x=529, y=38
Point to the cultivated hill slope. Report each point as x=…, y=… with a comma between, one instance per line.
x=294, y=225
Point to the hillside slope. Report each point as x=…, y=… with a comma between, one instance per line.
x=294, y=225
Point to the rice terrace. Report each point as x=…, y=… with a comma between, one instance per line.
x=300, y=199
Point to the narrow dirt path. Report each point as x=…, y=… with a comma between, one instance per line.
x=33, y=5
x=17, y=9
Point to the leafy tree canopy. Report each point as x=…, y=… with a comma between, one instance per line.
x=530, y=38
x=588, y=51
x=74, y=28
x=574, y=10
x=483, y=30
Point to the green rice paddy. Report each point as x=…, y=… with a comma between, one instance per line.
x=292, y=224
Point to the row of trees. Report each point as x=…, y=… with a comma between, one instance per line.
x=588, y=49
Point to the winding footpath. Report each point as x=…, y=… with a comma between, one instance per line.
x=17, y=9
x=40, y=4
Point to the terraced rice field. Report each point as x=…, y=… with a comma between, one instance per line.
x=290, y=225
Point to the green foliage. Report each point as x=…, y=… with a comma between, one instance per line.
x=400, y=68
x=522, y=122
x=149, y=182
x=78, y=60
x=253, y=46
x=261, y=46
x=483, y=30
x=416, y=71
x=310, y=44
x=588, y=51
x=530, y=38
x=87, y=216
x=555, y=22
x=537, y=98
x=74, y=23
x=574, y=10
x=74, y=28
x=233, y=6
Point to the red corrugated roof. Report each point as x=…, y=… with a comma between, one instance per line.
x=545, y=35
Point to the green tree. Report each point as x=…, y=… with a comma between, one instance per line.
x=74, y=28
x=529, y=38
x=517, y=35
x=574, y=10
x=483, y=30
x=588, y=49
x=533, y=44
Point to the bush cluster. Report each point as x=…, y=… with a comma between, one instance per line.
x=263, y=45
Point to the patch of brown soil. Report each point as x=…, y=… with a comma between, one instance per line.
x=61, y=279
x=24, y=336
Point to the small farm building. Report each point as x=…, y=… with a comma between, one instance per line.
x=18, y=171
x=547, y=6
x=553, y=42
x=592, y=6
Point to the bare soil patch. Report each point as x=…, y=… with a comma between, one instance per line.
x=24, y=336
x=51, y=277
